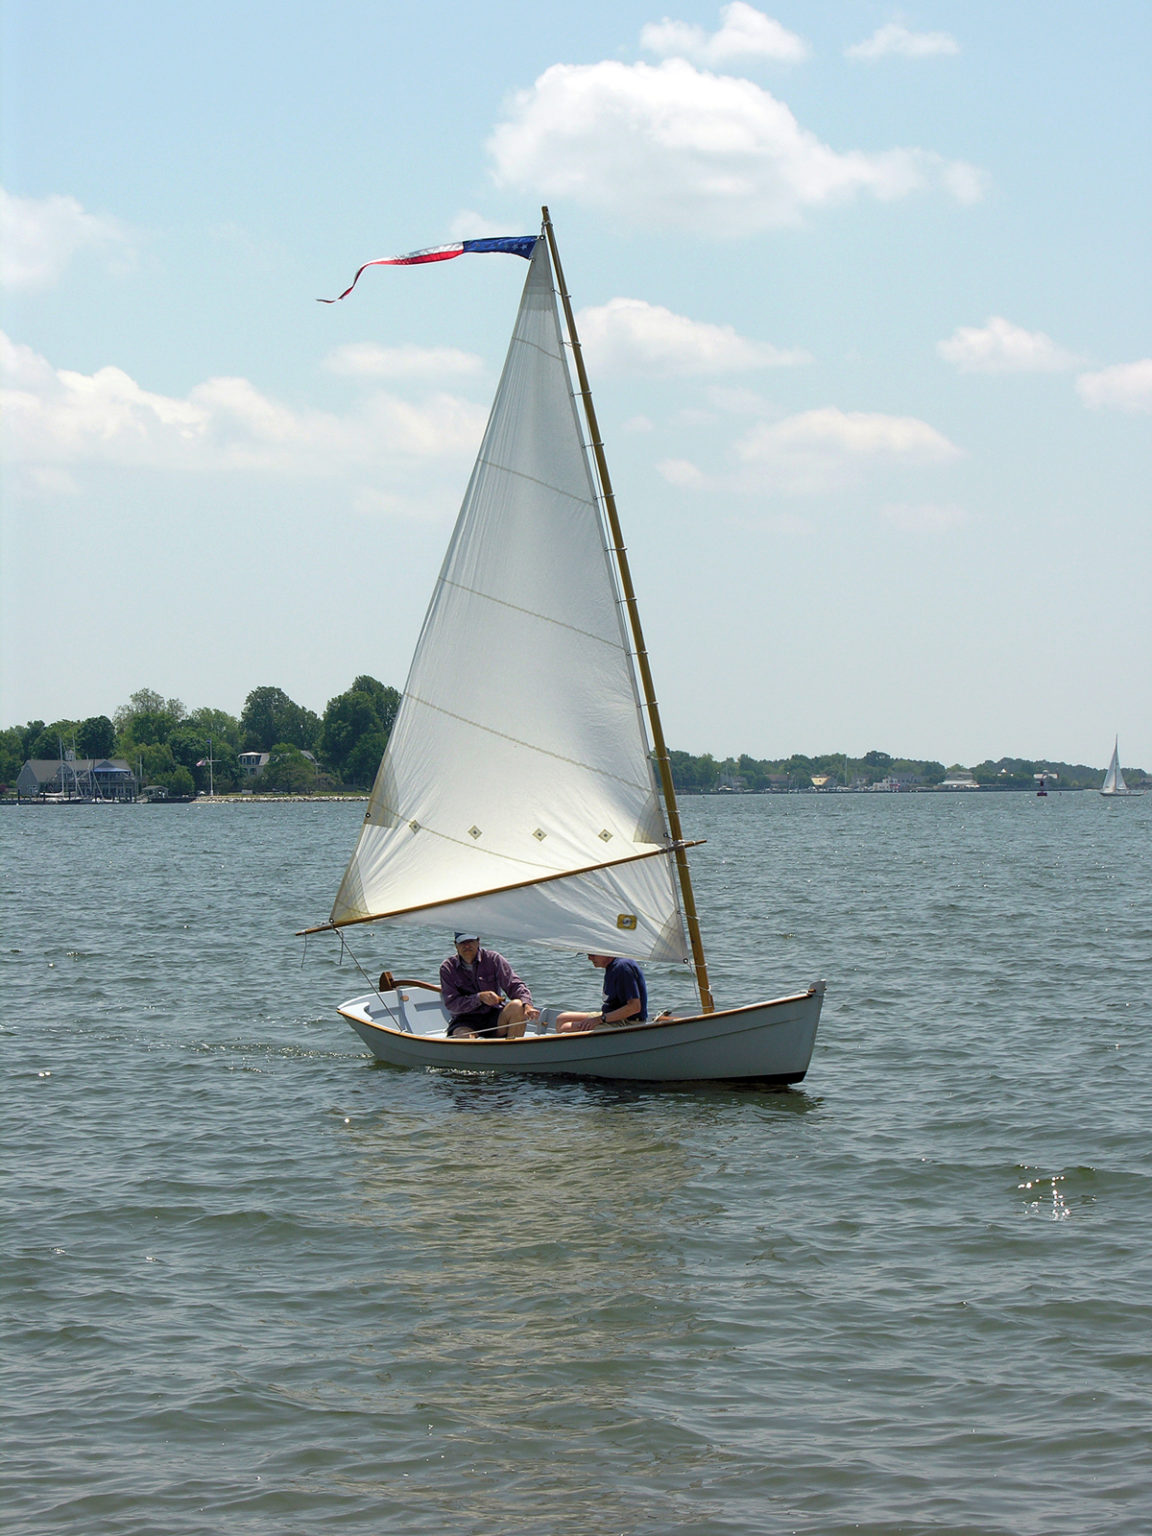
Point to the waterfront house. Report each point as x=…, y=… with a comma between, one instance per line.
x=76, y=778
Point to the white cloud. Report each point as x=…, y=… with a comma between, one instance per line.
x=825, y=449
x=1001, y=347
x=468, y=225
x=675, y=146
x=630, y=335
x=746, y=33
x=1123, y=387
x=365, y=359
x=680, y=472
x=897, y=39
x=40, y=236
x=55, y=417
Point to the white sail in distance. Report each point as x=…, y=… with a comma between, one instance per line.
x=517, y=794
x=1114, y=780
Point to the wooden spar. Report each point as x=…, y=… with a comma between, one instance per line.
x=496, y=890
x=661, y=750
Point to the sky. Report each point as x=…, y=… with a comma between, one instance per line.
x=866, y=304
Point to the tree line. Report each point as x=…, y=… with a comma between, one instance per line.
x=836, y=770
x=190, y=751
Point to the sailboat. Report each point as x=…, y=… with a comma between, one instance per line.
x=520, y=794
x=1114, y=780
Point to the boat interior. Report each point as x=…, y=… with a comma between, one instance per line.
x=415, y=1008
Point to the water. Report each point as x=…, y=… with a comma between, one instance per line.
x=255, y=1283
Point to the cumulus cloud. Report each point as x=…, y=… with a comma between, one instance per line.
x=58, y=417
x=40, y=236
x=897, y=39
x=367, y=360
x=1124, y=387
x=628, y=335
x=680, y=472
x=746, y=33
x=677, y=146
x=1001, y=347
x=825, y=449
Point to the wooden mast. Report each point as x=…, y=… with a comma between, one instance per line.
x=661, y=750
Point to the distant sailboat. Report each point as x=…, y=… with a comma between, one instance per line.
x=1114, y=780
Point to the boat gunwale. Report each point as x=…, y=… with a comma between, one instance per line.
x=576, y=1035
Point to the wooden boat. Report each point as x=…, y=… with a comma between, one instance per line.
x=520, y=795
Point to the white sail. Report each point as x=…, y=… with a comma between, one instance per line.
x=517, y=794
x=1114, y=780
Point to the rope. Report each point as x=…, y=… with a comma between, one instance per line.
x=346, y=949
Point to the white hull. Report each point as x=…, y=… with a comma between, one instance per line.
x=770, y=1042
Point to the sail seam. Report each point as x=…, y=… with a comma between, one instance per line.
x=556, y=490
x=503, y=855
x=531, y=613
x=530, y=746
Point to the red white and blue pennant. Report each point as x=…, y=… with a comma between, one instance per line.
x=512, y=245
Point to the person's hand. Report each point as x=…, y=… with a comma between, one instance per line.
x=491, y=999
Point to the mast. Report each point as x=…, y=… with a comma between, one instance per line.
x=661, y=750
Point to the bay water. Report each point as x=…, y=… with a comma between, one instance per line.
x=254, y=1282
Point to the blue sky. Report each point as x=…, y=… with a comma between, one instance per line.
x=864, y=293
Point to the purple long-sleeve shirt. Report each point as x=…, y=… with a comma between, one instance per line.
x=460, y=983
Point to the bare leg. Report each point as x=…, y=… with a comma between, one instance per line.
x=513, y=1018
x=568, y=1023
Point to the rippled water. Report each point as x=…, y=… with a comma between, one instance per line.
x=255, y=1283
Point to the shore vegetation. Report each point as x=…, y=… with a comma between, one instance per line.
x=279, y=747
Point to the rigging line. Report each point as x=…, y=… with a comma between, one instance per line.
x=346, y=949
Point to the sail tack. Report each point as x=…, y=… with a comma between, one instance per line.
x=517, y=793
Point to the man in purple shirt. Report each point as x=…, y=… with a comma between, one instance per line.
x=483, y=993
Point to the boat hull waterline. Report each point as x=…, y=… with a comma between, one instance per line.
x=770, y=1042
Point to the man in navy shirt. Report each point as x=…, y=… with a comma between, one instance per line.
x=625, y=997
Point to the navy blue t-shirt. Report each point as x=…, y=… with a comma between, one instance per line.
x=624, y=980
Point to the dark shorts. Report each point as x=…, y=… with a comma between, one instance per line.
x=482, y=1021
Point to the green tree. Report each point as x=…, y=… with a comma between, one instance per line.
x=146, y=720
x=215, y=725
x=287, y=771
x=211, y=733
x=385, y=700
x=11, y=755
x=364, y=759
x=96, y=737
x=356, y=728
x=180, y=782
x=752, y=772
x=798, y=769
x=28, y=735
x=153, y=763
x=271, y=718
x=60, y=735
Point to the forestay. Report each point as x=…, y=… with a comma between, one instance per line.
x=517, y=793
